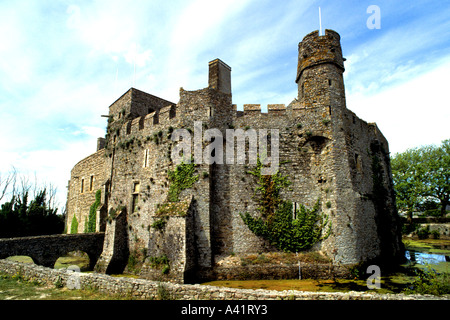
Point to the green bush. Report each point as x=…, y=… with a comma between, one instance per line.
x=428, y=281
x=159, y=224
x=423, y=233
x=277, y=224
x=288, y=234
x=74, y=225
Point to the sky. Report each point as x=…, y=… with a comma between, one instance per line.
x=63, y=63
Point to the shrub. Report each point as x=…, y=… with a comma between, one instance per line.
x=423, y=233
x=428, y=281
x=74, y=225
x=277, y=224
x=288, y=234
x=159, y=224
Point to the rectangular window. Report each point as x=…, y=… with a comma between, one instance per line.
x=82, y=185
x=91, y=183
x=135, y=197
x=136, y=187
x=146, y=155
x=134, y=205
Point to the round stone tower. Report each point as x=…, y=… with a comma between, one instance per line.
x=320, y=70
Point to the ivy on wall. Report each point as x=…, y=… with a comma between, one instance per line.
x=91, y=225
x=74, y=225
x=277, y=223
x=181, y=178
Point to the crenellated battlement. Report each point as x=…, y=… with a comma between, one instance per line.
x=255, y=109
x=166, y=116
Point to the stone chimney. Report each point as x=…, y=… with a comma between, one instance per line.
x=220, y=76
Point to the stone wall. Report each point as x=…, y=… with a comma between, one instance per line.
x=276, y=271
x=326, y=152
x=442, y=228
x=86, y=177
x=147, y=289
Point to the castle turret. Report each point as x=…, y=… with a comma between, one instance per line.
x=320, y=70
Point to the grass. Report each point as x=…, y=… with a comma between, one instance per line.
x=15, y=288
x=439, y=246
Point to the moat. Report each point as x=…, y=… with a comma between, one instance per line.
x=420, y=254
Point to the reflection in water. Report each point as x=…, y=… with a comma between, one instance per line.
x=425, y=258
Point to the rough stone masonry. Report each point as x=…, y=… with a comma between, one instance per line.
x=325, y=150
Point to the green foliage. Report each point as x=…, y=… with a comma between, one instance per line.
x=290, y=234
x=422, y=175
x=19, y=217
x=93, y=212
x=159, y=224
x=113, y=213
x=180, y=179
x=428, y=281
x=268, y=190
x=161, y=262
x=423, y=233
x=163, y=292
x=277, y=224
x=74, y=225
x=172, y=209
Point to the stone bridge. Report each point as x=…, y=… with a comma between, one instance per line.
x=45, y=250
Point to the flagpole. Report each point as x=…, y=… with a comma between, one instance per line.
x=320, y=23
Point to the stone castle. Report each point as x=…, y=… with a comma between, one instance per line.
x=325, y=150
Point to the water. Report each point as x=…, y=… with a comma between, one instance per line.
x=425, y=258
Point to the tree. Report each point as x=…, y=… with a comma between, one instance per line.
x=437, y=173
x=22, y=217
x=422, y=175
x=406, y=174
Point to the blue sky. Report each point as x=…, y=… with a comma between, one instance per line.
x=62, y=63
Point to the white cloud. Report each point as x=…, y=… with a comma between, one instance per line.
x=59, y=65
x=412, y=113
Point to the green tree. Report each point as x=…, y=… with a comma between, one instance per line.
x=436, y=160
x=74, y=225
x=422, y=175
x=19, y=217
x=407, y=175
